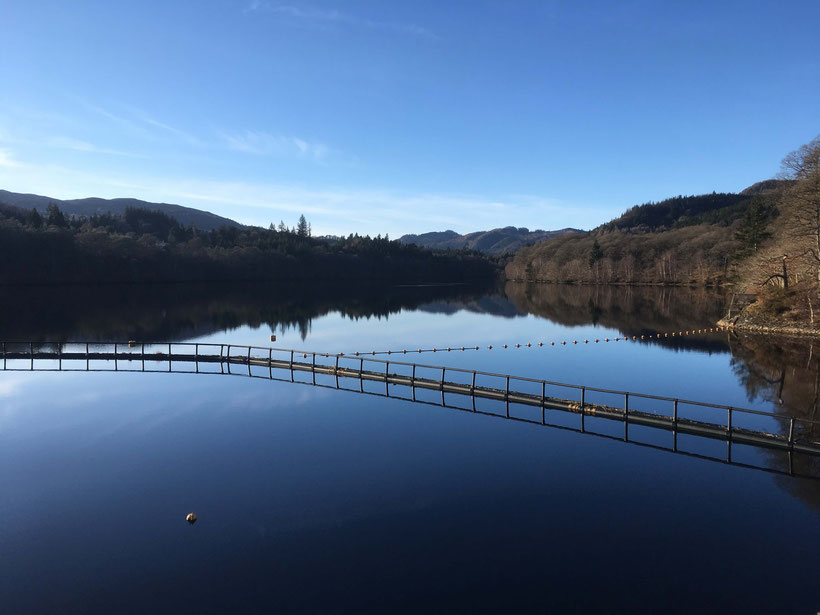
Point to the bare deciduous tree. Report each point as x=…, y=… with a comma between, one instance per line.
x=802, y=201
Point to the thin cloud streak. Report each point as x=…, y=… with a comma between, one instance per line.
x=78, y=145
x=262, y=143
x=317, y=15
x=247, y=141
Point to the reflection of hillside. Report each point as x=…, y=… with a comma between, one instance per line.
x=633, y=310
x=183, y=311
x=495, y=305
x=785, y=372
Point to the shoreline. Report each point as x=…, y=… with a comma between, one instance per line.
x=736, y=324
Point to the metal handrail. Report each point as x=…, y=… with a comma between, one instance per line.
x=362, y=358
x=674, y=449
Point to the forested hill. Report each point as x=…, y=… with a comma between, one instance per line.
x=505, y=240
x=150, y=246
x=186, y=216
x=681, y=240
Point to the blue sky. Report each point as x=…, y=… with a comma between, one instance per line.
x=396, y=117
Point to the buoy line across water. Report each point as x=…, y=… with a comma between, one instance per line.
x=635, y=338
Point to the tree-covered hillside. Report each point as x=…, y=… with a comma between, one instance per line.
x=150, y=246
x=681, y=240
x=185, y=216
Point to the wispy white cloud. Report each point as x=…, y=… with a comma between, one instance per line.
x=330, y=16
x=140, y=123
x=84, y=146
x=126, y=123
x=149, y=120
x=7, y=159
x=262, y=143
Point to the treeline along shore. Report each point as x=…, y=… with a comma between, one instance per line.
x=149, y=246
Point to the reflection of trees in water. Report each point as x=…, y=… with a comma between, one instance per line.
x=786, y=373
x=633, y=310
x=184, y=311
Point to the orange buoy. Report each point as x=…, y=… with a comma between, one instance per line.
x=191, y=518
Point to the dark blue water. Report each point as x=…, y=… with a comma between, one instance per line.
x=316, y=500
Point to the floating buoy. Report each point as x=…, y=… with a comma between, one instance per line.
x=596, y=340
x=518, y=345
x=404, y=352
x=586, y=341
x=357, y=353
x=528, y=344
x=552, y=343
x=505, y=345
x=388, y=352
x=540, y=343
x=273, y=338
x=448, y=350
x=606, y=339
x=574, y=341
x=476, y=347
x=191, y=518
x=490, y=347
x=132, y=343
x=642, y=337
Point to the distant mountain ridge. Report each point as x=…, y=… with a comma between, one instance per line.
x=496, y=241
x=186, y=216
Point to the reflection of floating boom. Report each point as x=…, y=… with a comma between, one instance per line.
x=798, y=437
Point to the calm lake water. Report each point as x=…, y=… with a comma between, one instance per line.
x=320, y=501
